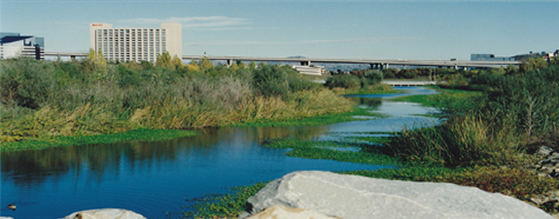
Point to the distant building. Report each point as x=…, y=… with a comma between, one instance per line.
x=13, y=45
x=136, y=44
x=489, y=57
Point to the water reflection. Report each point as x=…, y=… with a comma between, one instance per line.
x=149, y=178
x=32, y=167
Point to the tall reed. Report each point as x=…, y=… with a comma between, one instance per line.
x=41, y=98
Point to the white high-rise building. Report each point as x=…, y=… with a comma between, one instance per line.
x=136, y=44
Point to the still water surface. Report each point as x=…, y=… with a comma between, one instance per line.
x=155, y=178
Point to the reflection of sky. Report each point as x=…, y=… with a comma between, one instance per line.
x=401, y=114
x=391, y=124
x=150, y=178
x=407, y=91
x=403, y=109
x=159, y=180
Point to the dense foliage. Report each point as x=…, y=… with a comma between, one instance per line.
x=44, y=99
x=517, y=111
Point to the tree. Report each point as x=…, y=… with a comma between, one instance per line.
x=533, y=64
x=164, y=60
x=193, y=66
x=177, y=62
x=205, y=65
x=96, y=61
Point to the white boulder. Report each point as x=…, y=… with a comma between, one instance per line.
x=347, y=196
x=284, y=212
x=107, y=213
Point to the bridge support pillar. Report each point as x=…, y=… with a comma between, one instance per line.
x=229, y=62
x=305, y=63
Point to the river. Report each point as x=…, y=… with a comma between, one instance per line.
x=157, y=178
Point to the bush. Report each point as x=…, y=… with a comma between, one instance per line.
x=271, y=80
x=25, y=82
x=371, y=77
x=463, y=140
x=127, y=77
x=297, y=84
x=343, y=81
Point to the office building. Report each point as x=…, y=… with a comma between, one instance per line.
x=136, y=44
x=13, y=45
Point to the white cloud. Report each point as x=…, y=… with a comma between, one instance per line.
x=211, y=22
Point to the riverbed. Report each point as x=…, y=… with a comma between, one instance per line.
x=157, y=178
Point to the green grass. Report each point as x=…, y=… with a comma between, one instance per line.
x=312, y=121
x=366, y=91
x=438, y=100
x=223, y=205
x=373, y=89
x=334, y=150
x=150, y=135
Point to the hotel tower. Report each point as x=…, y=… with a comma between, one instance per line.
x=136, y=44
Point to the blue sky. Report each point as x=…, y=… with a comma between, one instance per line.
x=376, y=29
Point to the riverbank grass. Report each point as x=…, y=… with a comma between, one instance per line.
x=145, y=135
x=444, y=98
x=372, y=89
x=357, y=113
x=357, y=151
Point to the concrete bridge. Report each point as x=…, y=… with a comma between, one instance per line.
x=375, y=63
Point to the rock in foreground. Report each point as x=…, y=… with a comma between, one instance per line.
x=280, y=211
x=347, y=196
x=108, y=213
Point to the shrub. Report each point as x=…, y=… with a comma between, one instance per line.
x=26, y=82
x=297, y=84
x=463, y=140
x=343, y=81
x=271, y=80
x=371, y=77
x=127, y=77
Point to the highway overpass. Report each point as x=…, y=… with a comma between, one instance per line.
x=375, y=63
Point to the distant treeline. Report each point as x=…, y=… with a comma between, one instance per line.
x=445, y=74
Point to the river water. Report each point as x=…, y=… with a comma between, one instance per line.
x=157, y=178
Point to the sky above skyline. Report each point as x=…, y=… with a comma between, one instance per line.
x=414, y=30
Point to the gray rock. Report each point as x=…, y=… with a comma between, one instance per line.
x=107, y=213
x=280, y=211
x=347, y=196
x=544, y=151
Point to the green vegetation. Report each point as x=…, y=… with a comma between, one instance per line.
x=485, y=141
x=363, y=152
x=359, y=82
x=517, y=113
x=445, y=98
x=43, y=100
x=223, y=205
x=313, y=121
x=132, y=135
